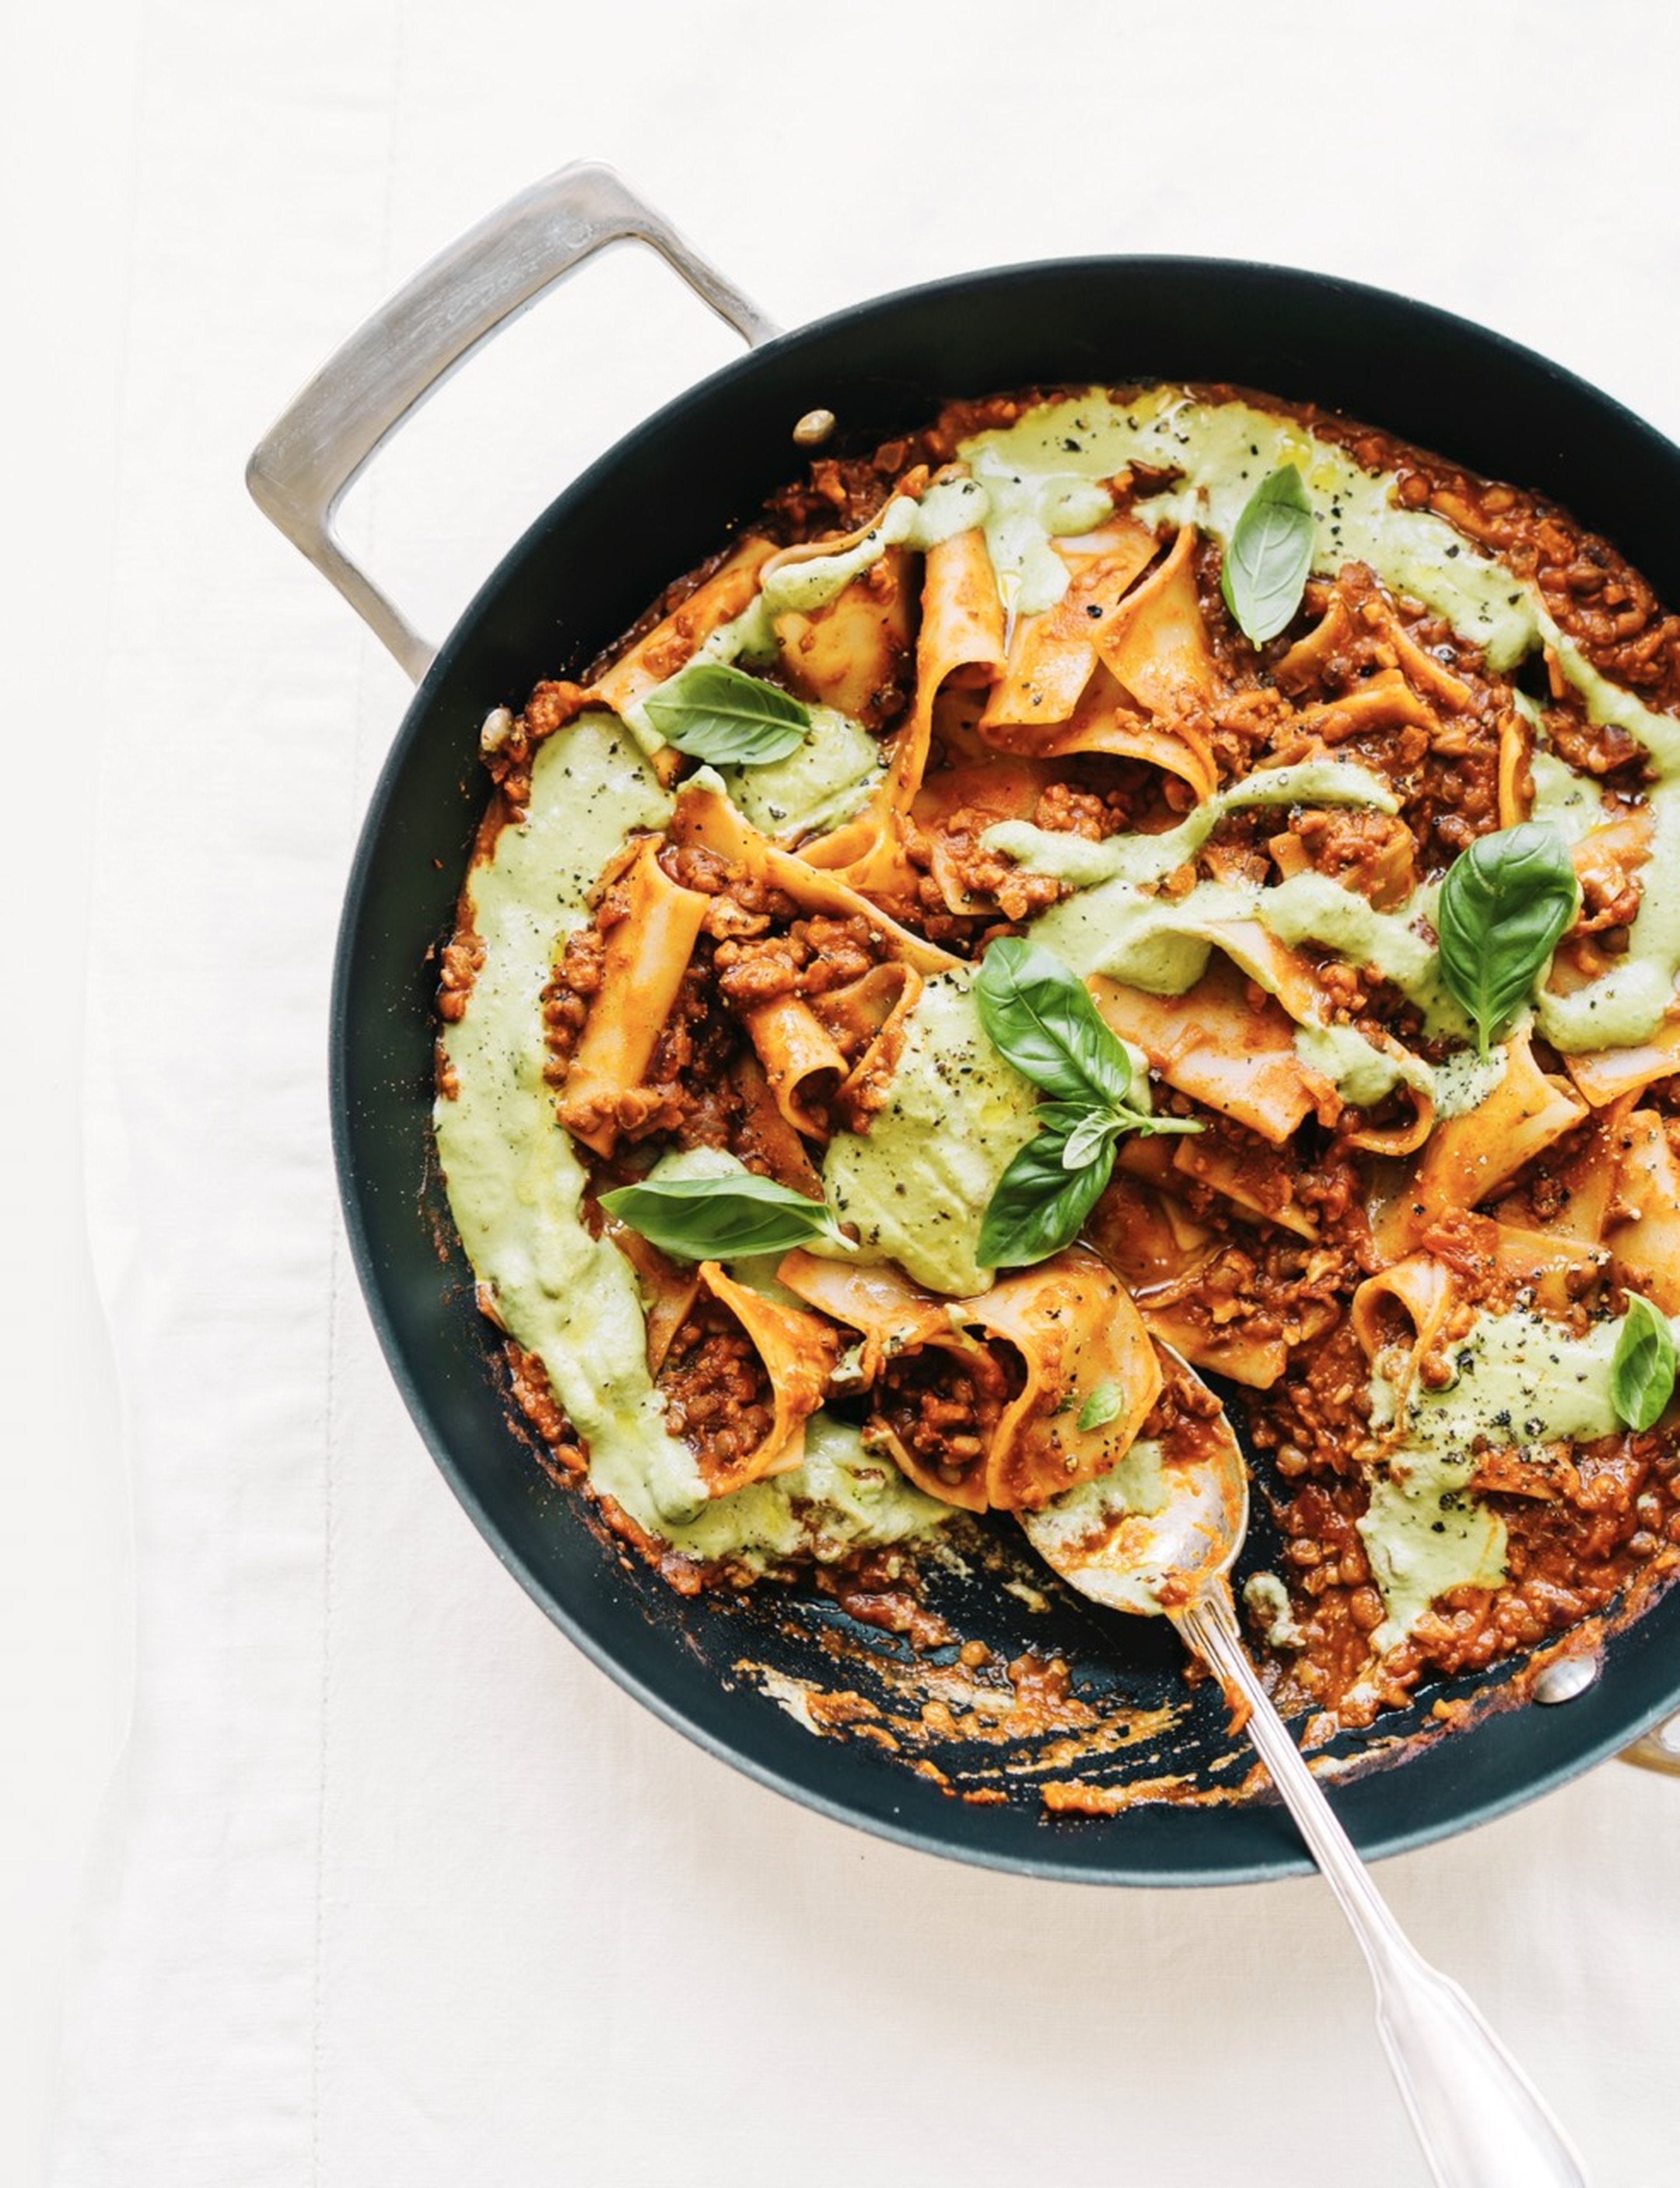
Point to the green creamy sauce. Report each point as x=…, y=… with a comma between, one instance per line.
x=816, y=787
x=1572, y=804
x=1112, y=924
x=951, y=506
x=1161, y=944
x=1465, y=1081
x=1520, y=1379
x=1225, y=450
x=1137, y=1484
x=1140, y=858
x=516, y=1188
x=1360, y=1072
x=1268, y=1600
x=917, y=1184
x=1628, y=1004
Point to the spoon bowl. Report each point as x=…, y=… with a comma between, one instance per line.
x=1167, y=1522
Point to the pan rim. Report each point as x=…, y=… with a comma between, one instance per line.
x=345, y=1095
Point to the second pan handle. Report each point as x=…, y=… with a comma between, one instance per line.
x=300, y=470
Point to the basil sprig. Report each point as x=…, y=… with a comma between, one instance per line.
x=1503, y=905
x=716, y=1219
x=1039, y=1017
x=1642, y=1367
x=714, y=712
x=1270, y=552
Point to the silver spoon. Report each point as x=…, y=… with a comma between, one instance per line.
x=1480, y=2120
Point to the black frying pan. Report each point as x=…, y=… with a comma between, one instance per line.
x=738, y=1676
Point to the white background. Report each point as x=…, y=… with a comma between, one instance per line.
x=391, y=1885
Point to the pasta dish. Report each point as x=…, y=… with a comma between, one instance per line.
x=1114, y=866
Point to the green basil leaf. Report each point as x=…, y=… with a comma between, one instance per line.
x=1270, y=554
x=1039, y=1205
x=713, y=712
x=1082, y=1126
x=1101, y=1406
x=713, y=1219
x=1503, y=905
x=1039, y=1016
x=1092, y=1131
x=1642, y=1367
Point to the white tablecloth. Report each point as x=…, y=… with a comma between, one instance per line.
x=395, y=1886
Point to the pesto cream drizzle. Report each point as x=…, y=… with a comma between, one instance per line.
x=1142, y=858
x=1520, y=1379
x=819, y=784
x=917, y=1184
x=1117, y=926
x=1223, y=451
x=516, y=1188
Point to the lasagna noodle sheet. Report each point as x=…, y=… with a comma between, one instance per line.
x=1218, y=1047
x=1469, y=1158
x=1605, y=1075
x=1515, y=782
x=1077, y=1331
x=728, y=592
x=897, y=1321
x=1409, y=1133
x=647, y=953
x=1259, y=1182
x=1156, y=644
x=1104, y=721
x=1646, y=1242
x=1038, y=1344
x=707, y=818
x=867, y=1017
x=837, y=1048
x=762, y=1137
x=1424, y=1291
x=1552, y=1265
x=1383, y=701
x=668, y=1289
x=798, y=1352
x=1581, y=1186
x=1254, y=1361
x=1052, y=657
x=802, y=1063
x=851, y=652
x=960, y=637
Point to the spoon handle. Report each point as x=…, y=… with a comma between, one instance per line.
x=1480, y=2120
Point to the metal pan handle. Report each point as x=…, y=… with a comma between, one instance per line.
x=301, y=469
x=1660, y=1749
